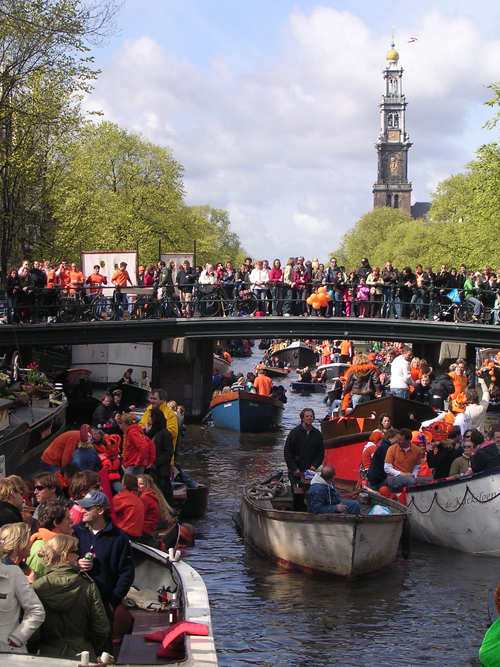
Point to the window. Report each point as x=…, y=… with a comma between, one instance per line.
x=389, y=201
x=396, y=201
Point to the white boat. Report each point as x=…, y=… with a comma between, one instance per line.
x=461, y=513
x=221, y=365
x=154, y=569
x=333, y=371
x=343, y=545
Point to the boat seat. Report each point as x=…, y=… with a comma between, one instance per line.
x=134, y=649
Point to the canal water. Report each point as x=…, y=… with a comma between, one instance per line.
x=428, y=610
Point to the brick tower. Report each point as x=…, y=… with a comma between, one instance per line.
x=392, y=187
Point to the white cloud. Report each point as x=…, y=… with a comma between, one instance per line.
x=287, y=147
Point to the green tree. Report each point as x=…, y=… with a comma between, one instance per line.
x=119, y=189
x=43, y=71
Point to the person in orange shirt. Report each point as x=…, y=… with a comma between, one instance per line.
x=52, y=279
x=64, y=279
x=262, y=383
x=345, y=352
x=96, y=280
x=459, y=379
x=120, y=278
x=76, y=278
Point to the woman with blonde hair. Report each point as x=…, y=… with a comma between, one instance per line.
x=75, y=618
x=147, y=487
x=15, y=545
x=137, y=449
x=363, y=383
x=17, y=596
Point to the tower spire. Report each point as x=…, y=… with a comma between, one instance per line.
x=392, y=187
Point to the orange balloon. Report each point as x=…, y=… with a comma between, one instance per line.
x=322, y=299
x=311, y=299
x=322, y=289
x=328, y=298
x=316, y=305
x=493, y=378
x=384, y=491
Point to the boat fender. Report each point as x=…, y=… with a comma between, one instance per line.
x=185, y=536
x=497, y=598
x=406, y=538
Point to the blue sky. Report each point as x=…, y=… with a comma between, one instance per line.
x=272, y=107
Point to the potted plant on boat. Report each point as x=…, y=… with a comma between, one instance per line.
x=35, y=382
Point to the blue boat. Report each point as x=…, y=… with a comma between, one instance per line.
x=247, y=413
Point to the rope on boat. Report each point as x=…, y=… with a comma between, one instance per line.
x=451, y=511
x=267, y=491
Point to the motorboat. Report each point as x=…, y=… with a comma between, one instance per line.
x=308, y=387
x=14, y=439
x=221, y=365
x=343, y=545
x=245, y=412
x=298, y=355
x=155, y=570
x=346, y=436
x=461, y=513
x=333, y=371
x=276, y=373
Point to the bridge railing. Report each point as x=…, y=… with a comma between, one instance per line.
x=394, y=301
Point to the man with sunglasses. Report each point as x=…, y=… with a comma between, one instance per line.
x=462, y=465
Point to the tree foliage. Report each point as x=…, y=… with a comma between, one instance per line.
x=119, y=189
x=43, y=71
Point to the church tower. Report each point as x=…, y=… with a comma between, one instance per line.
x=392, y=187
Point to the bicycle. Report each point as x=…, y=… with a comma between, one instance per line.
x=217, y=302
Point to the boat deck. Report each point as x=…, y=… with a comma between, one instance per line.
x=31, y=415
x=134, y=649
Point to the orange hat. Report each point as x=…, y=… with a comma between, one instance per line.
x=141, y=268
x=419, y=438
x=376, y=437
x=459, y=403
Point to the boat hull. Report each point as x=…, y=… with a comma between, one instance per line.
x=333, y=371
x=341, y=545
x=221, y=365
x=461, y=514
x=47, y=425
x=195, y=506
x=271, y=372
x=308, y=387
x=247, y=413
x=298, y=356
x=345, y=437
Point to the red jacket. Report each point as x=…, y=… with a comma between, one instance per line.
x=138, y=449
x=151, y=511
x=129, y=513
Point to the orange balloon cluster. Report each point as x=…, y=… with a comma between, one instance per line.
x=319, y=299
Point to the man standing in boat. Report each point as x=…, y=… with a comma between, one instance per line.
x=304, y=448
x=323, y=498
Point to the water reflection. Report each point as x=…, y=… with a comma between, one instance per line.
x=429, y=610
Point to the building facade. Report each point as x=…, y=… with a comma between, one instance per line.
x=392, y=187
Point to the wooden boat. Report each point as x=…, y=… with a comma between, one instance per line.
x=196, y=503
x=14, y=438
x=297, y=354
x=264, y=343
x=247, y=413
x=333, y=371
x=343, y=545
x=132, y=394
x=221, y=365
x=153, y=570
x=345, y=437
x=458, y=513
x=308, y=387
x=279, y=373
x=45, y=419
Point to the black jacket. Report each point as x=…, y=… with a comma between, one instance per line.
x=102, y=415
x=304, y=450
x=9, y=513
x=376, y=473
x=485, y=458
x=440, y=458
x=164, y=446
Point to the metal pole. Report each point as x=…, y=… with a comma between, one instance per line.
x=194, y=253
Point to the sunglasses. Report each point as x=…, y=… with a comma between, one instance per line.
x=74, y=552
x=40, y=488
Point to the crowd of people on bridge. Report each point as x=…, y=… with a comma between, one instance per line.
x=283, y=290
